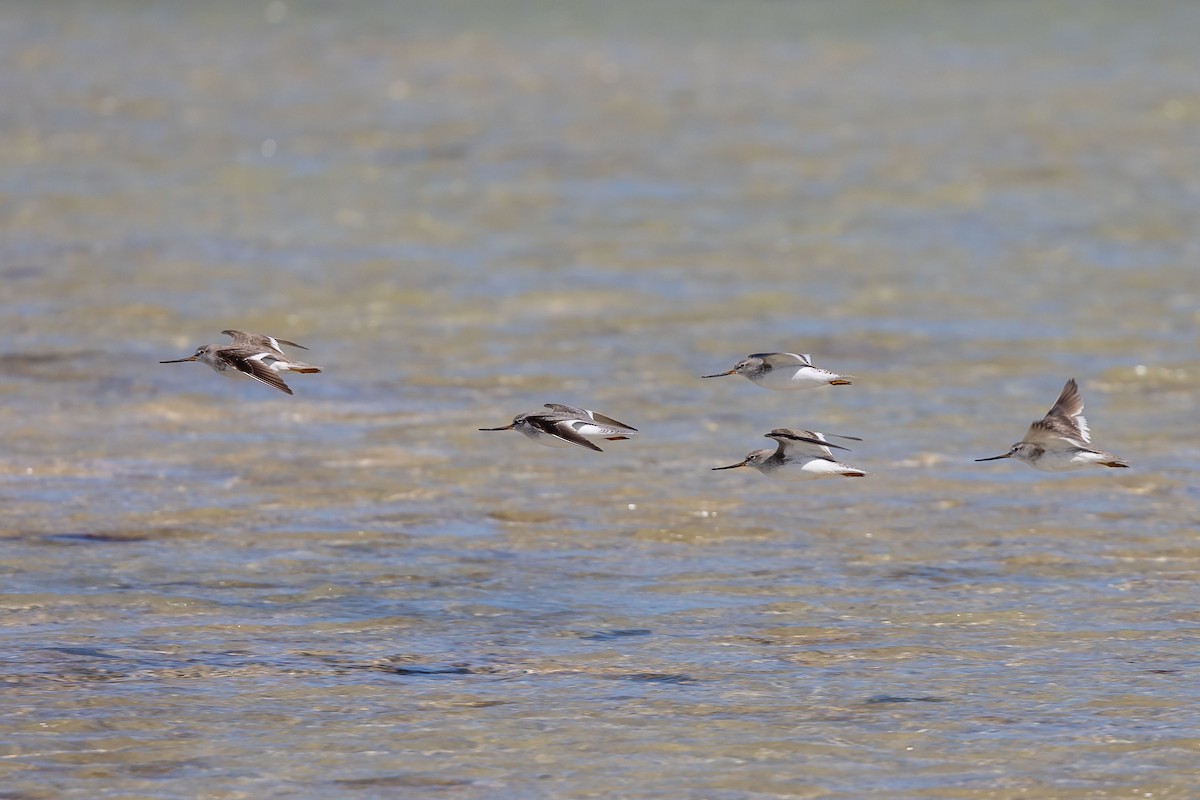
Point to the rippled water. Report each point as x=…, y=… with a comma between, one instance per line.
x=465, y=210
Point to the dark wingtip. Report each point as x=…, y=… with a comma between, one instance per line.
x=783, y=433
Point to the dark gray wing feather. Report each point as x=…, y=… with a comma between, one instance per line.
x=559, y=426
x=243, y=360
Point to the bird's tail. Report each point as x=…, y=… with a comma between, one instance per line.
x=294, y=366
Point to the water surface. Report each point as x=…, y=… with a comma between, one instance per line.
x=214, y=590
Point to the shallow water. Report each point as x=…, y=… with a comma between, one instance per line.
x=214, y=590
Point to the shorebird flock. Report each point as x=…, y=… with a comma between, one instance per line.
x=1058, y=442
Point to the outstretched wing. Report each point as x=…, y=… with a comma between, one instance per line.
x=1064, y=420
x=243, y=339
x=595, y=424
x=784, y=359
x=563, y=408
x=604, y=420
x=561, y=426
x=586, y=427
x=797, y=442
x=248, y=360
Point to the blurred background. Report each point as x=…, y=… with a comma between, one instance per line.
x=466, y=210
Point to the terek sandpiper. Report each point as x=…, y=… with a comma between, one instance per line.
x=1060, y=441
x=563, y=426
x=784, y=371
x=800, y=455
x=251, y=354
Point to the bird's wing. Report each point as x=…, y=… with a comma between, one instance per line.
x=249, y=360
x=1052, y=429
x=784, y=359
x=560, y=426
x=1064, y=420
x=619, y=427
x=243, y=339
x=811, y=437
x=587, y=427
x=563, y=408
x=795, y=442
x=602, y=424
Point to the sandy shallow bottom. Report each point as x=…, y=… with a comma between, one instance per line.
x=210, y=589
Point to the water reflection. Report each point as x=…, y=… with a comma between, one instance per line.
x=466, y=211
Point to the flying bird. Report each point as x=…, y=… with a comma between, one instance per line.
x=1061, y=440
x=252, y=355
x=563, y=426
x=799, y=455
x=784, y=371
